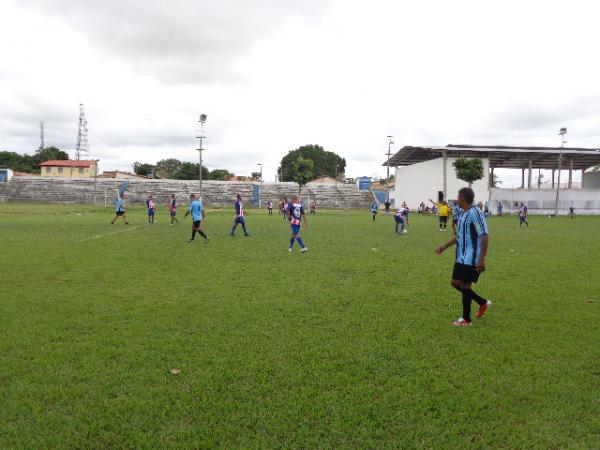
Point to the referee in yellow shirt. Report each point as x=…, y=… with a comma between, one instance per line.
x=443, y=213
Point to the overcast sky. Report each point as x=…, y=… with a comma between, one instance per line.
x=275, y=74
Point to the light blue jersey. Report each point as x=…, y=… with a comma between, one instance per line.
x=374, y=207
x=456, y=212
x=119, y=205
x=471, y=227
x=196, y=210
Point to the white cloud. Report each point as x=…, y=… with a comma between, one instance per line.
x=274, y=75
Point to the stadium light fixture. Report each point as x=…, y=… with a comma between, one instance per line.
x=562, y=133
x=200, y=138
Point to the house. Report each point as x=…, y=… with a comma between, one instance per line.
x=69, y=168
x=5, y=174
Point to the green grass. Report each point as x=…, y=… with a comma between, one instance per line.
x=345, y=346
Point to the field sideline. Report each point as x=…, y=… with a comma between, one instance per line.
x=346, y=346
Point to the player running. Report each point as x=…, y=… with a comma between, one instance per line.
x=374, y=209
x=295, y=213
x=472, y=244
x=406, y=211
x=239, y=216
x=456, y=212
x=120, y=209
x=270, y=207
x=523, y=213
x=196, y=209
x=173, y=209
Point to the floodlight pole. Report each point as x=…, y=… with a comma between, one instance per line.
x=562, y=134
x=202, y=121
x=389, y=154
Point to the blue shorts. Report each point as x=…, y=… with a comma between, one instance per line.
x=399, y=219
x=151, y=212
x=522, y=219
x=295, y=229
x=239, y=220
x=173, y=213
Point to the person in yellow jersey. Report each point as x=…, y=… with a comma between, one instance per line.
x=443, y=213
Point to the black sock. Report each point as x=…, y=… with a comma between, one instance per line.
x=466, y=301
x=202, y=234
x=193, y=234
x=478, y=298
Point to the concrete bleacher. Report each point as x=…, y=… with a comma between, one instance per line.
x=214, y=193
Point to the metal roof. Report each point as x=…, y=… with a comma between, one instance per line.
x=502, y=156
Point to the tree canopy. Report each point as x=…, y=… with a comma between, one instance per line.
x=175, y=169
x=303, y=171
x=30, y=163
x=324, y=162
x=469, y=170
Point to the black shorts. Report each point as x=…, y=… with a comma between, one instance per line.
x=120, y=213
x=197, y=223
x=443, y=219
x=465, y=273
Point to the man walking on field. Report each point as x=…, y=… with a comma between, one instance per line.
x=120, y=209
x=472, y=244
x=196, y=209
x=295, y=212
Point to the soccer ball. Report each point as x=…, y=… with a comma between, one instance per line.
x=405, y=231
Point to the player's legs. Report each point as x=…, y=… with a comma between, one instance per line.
x=235, y=224
x=244, y=227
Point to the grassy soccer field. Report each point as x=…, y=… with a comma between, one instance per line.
x=345, y=346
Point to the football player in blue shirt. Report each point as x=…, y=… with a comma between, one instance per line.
x=239, y=216
x=400, y=218
x=523, y=212
x=472, y=244
x=456, y=211
x=295, y=213
x=120, y=209
x=196, y=209
x=374, y=209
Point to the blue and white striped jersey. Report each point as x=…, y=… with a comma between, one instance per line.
x=471, y=227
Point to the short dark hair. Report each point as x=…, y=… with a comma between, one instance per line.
x=467, y=194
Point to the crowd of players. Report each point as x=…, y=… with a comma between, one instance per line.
x=470, y=232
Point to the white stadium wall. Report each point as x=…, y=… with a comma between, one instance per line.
x=422, y=181
x=543, y=201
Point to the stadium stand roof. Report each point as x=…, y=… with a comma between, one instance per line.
x=502, y=156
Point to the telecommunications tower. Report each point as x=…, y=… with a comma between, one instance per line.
x=83, y=148
x=41, y=136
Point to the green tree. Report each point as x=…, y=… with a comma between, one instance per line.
x=189, y=171
x=15, y=161
x=49, y=154
x=143, y=169
x=324, y=162
x=303, y=172
x=219, y=174
x=168, y=168
x=469, y=170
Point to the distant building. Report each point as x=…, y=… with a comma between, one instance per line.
x=69, y=168
x=118, y=175
x=5, y=174
x=324, y=180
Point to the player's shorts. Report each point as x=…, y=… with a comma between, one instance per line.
x=151, y=213
x=239, y=220
x=398, y=219
x=522, y=219
x=173, y=213
x=374, y=212
x=443, y=219
x=197, y=223
x=295, y=229
x=465, y=273
x=120, y=213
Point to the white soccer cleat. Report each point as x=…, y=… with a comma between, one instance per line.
x=289, y=249
x=304, y=250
